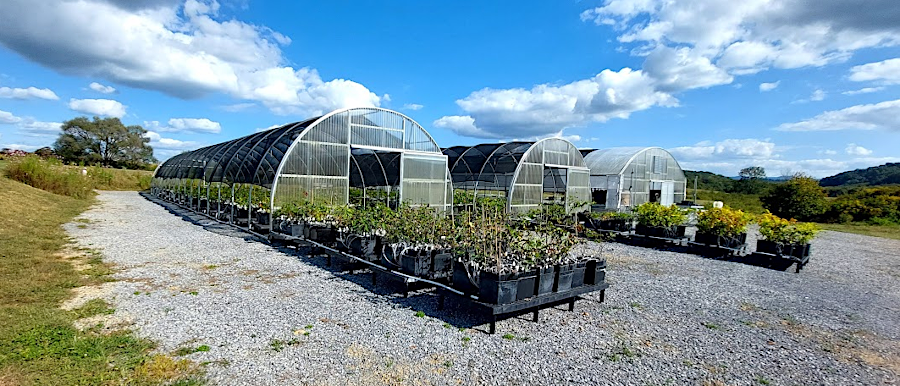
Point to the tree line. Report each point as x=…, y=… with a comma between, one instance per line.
x=104, y=141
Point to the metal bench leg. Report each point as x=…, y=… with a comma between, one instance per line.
x=440, y=301
x=534, y=317
x=602, y=295
x=572, y=304
x=493, y=324
x=374, y=280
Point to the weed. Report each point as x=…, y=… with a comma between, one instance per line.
x=448, y=364
x=447, y=325
x=711, y=326
x=466, y=339
x=762, y=381
x=420, y=314
x=190, y=350
x=195, y=293
x=308, y=326
x=277, y=344
x=91, y=308
x=509, y=336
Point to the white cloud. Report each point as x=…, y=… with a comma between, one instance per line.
x=101, y=107
x=412, y=106
x=679, y=69
x=817, y=95
x=753, y=35
x=28, y=93
x=725, y=149
x=854, y=149
x=261, y=129
x=887, y=71
x=159, y=142
x=33, y=128
x=196, y=125
x=864, y=90
x=186, y=51
x=884, y=116
x=8, y=117
x=101, y=88
x=827, y=152
x=17, y=146
x=238, y=107
x=763, y=87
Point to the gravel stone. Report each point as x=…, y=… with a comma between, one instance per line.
x=273, y=315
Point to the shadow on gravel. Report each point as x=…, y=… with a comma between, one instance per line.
x=457, y=311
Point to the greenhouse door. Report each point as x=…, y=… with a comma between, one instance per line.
x=424, y=179
x=667, y=197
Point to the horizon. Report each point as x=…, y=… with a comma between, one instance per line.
x=790, y=88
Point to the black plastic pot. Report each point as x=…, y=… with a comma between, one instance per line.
x=441, y=264
x=366, y=247
x=262, y=218
x=796, y=250
x=545, y=279
x=563, y=280
x=461, y=279
x=720, y=241
x=664, y=232
x=617, y=225
x=321, y=233
x=203, y=204
x=578, y=274
x=595, y=272
x=526, y=287
x=496, y=289
x=415, y=263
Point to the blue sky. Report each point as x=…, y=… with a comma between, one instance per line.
x=722, y=85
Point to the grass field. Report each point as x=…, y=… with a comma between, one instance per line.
x=75, y=181
x=886, y=231
x=38, y=343
x=747, y=202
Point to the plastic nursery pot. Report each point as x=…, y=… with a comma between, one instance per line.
x=618, y=225
x=497, y=289
x=563, y=280
x=721, y=241
x=781, y=249
x=366, y=247
x=578, y=274
x=545, y=278
x=595, y=272
x=414, y=262
x=664, y=232
x=321, y=233
x=526, y=284
x=298, y=230
x=441, y=264
x=461, y=280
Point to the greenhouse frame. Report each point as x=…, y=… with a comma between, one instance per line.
x=526, y=174
x=625, y=177
x=353, y=155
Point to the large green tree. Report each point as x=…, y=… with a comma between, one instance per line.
x=800, y=198
x=104, y=141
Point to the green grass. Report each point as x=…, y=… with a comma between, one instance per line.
x=746, y=202
x=38, y=343
x=73, y=181
x=886, y=231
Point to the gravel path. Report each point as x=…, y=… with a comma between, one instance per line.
x=275, y=316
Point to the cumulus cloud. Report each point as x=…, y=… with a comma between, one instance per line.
x=261, y=129
x=887, y=71
x=7, y=117
x=28, y=93
x=184, y=49
x=729, y=148
x=100, y=107
x=412, y=106
x=854, y=149
x=817, y=95
x=763, y=87
x=159, y=142
x=101, y=88
x=864, y=90
x=883, y=116
x=196, y=125
x=237, y=107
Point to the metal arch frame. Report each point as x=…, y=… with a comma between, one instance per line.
x=525, y=156
x=340, y=111
x=621, y=172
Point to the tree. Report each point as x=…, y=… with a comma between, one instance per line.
x=45, y=152
x=800, y=198
x=752, y=173
x=106, y=141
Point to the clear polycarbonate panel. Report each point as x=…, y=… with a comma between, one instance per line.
x=578, y=189
x=641, y=170
x=424, y=180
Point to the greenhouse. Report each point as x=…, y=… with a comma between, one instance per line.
x=526, y=174
x=624, y=177
x=356, y=155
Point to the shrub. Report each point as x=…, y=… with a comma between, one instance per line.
x=49, y=175
x=723, y=222
x=801, y=198
x=783, y=231
x=612, y=215
x=655, y=215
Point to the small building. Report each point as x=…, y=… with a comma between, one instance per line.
x=624, y=177
x=525, y=174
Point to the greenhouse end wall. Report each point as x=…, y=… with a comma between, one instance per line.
x=630, y=175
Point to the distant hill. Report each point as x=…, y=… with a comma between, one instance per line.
x=878, y=175
x=708, y=181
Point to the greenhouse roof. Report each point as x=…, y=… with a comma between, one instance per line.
x=612, y=160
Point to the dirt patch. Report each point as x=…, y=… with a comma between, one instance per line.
x=105, y=324
x=81, y=295
x=374, y=369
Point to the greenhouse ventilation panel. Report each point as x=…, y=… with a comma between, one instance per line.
x=624, y=177
x=526, y=174
x=355, y=155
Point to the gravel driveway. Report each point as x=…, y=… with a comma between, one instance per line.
x=276, y=316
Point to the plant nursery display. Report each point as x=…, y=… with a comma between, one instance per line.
x=722, y=227
x=661, y=221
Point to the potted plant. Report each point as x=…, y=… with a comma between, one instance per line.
x=785, y=237
x=722, y=227
x=366, y=231
x=612, y=221
x=659, y=221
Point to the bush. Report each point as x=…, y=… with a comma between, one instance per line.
x=51, y=176
x=867, y=204
x=723, y=222
x=800, y=198
x=655, y=215
x=779, y=230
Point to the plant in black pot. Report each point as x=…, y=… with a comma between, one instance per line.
x=722, y=227
x=785, y=237
x=612, y=221
x=659, y=221
x=424, y=247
